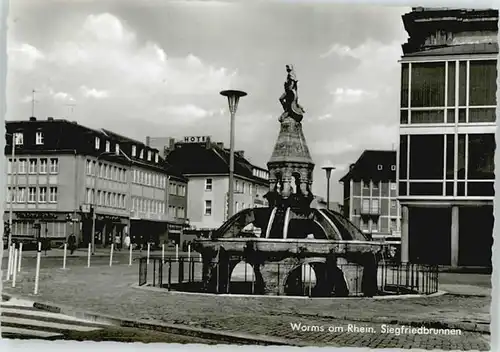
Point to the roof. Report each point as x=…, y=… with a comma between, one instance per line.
x=423, y=23
x=211, y=159
x=366, y=167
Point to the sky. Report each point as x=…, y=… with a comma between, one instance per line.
x=151, y=68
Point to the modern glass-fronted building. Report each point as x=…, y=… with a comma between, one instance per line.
x=447, y=141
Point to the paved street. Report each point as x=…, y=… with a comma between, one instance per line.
x=109, y=291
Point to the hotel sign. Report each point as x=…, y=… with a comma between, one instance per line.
x=196, y=139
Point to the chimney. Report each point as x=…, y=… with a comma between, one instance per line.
x=32, y=119
x=241, y=153
x=148, y=140
x=50, y=118
x=220, y=145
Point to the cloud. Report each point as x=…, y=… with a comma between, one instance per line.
x=103, y=52
x=63, y=96
x=186, y=114
x=23, y=56
x=350, y=96
x=93, y=93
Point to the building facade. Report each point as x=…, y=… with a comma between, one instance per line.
x=206, y=165
x=370, y=195
x=63, y=172
x=447, y=142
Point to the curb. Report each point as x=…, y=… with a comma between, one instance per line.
x=479, y=327
x=227, y=337
x=375, y=298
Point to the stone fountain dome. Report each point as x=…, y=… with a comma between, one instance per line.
x=319, y=224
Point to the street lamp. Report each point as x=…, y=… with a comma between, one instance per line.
x=233, y=97
x=328, y=169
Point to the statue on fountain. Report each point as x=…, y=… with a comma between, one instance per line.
x=289, y=99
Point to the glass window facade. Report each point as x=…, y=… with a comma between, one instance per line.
x=447, y=165
x=448, y=92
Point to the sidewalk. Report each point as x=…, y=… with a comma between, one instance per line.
x=110, y=291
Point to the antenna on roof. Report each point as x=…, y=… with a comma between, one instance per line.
x=71, y=109
x=33, y=103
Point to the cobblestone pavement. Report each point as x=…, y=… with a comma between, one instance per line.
x=105, y=290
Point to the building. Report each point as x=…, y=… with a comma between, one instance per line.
x=63, y=171
x=370, y=194
x=206, y=165
x=447, y=141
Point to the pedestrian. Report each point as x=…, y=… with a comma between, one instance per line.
x=72, y=243
x=118, y=242
x=127, y=241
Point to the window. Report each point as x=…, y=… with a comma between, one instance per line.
x=42, y=195
x=375, y=206
x=100, y=197
x=89, y=196
x=108, y=199
x=208, y=184
x=21, y=195
x=9, y=166
x=482, y=82
x=18, y=138
x=393, y=167
x=425, y=165
x=208, y=207
x=117, y=149
x=393, y=204
x=10, y=195
x=394, y=225
x=427, y=84
x=39, y=138
x=22, y=166
x=54, y=166
x=481, y=157
x=32, y=167
x=405, y=78
x=393, y=187
x=157, y=158
x=149, y=155
x=375, y=185
x=32, y=195
x=403, y=157
x=89, y=167
x=141, y=154
x=171, y=211
x=366, y=185
x=134, y=151
x=52, y=194
x=374, y=225
x=379, y=167
x=43, y=166
x=97, y=143
x=366, y=206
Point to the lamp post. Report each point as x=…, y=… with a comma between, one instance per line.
x=233, y=97
x=328, y=170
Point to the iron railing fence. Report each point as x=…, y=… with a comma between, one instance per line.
x=186, y=274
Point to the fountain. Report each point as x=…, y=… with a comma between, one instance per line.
x=279, y=240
